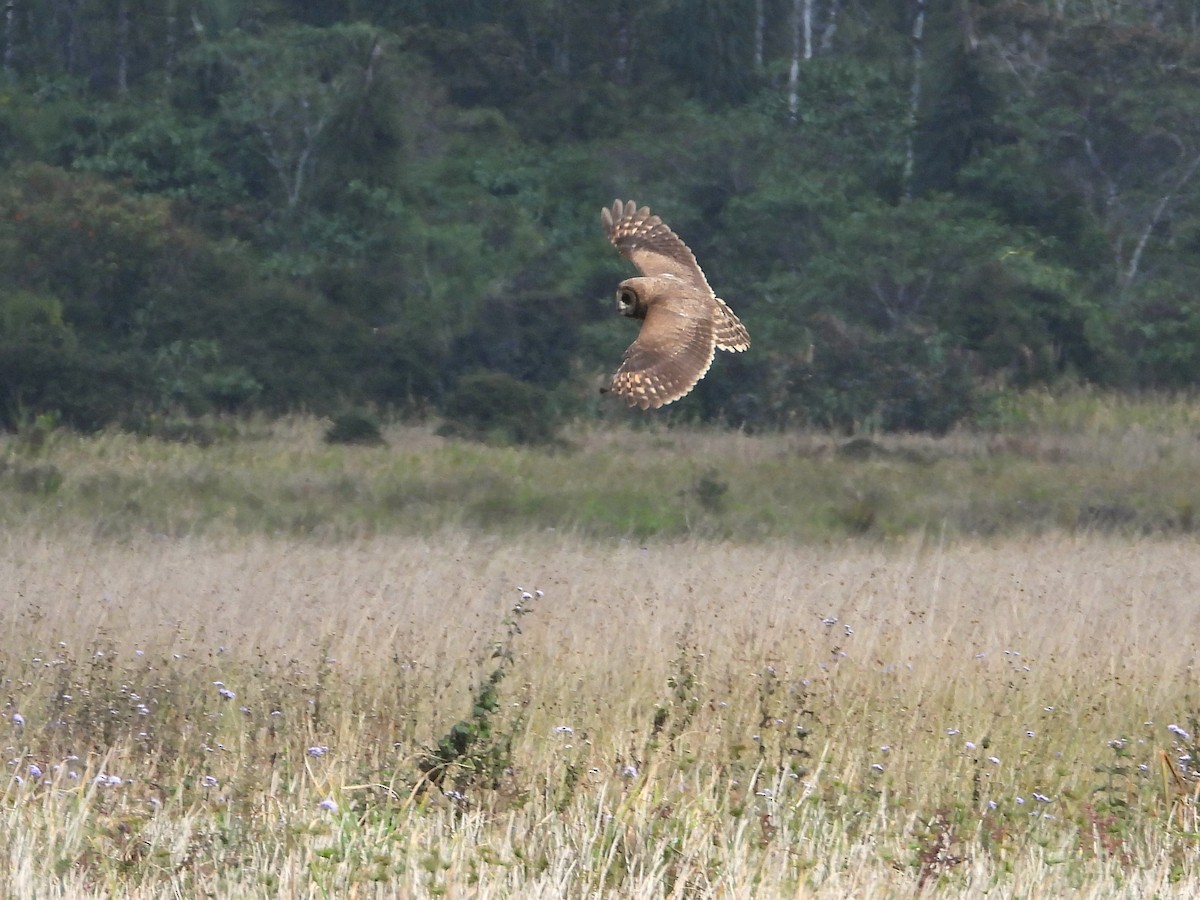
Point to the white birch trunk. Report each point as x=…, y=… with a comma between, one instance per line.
x=914, y=97
x=624, y=48
x=760, y=27
x=808, y=30
x=292, y=156
x=123, y=48
x=1135, y=260
x=831, y=23
x=171, y=48
x=797, y=50
x=10, y=33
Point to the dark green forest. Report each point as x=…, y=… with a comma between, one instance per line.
x=274, y=206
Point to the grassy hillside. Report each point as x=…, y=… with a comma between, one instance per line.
x=1082, y=462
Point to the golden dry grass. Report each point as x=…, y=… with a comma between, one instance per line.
x=726, y=737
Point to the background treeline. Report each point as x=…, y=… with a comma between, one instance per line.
x=214, y=205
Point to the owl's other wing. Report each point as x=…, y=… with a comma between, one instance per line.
x=649, y=244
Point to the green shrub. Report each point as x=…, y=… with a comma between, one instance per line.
x=175, y=429
x=495, y=407
x=904, y=380
x=355, y=427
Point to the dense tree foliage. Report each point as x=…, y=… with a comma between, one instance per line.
x=266, y=204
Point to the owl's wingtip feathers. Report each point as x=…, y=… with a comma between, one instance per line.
x=625, y=215
x=610, y=215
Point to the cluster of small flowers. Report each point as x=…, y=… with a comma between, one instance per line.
x=35, y=771
x=526, y=597
x=1020, y=801
x=226, y=693
x=1183, y=758
x=830, y=621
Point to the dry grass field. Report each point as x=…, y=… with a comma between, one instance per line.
x=236, y=711
x=685, y=719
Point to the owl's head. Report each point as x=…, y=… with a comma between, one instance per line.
x=633, y=297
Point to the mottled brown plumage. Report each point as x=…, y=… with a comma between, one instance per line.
x=683, y=321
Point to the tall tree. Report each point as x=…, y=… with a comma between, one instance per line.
x=10, y=34
x=123, y=47
x=1115, y=110
x=914, y=95
x=760, y=28
x=289, y=87
x=801, y=48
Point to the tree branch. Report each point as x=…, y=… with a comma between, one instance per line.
x=1160, y=209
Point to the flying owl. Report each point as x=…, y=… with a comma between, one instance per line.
x=683, y=322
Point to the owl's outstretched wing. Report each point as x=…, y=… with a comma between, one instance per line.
x=672, y=352
x=649, y=244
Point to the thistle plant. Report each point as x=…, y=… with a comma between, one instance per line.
x=673, y=716
x=476, y=750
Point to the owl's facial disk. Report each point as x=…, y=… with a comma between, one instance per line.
x=629, y=300
x=626, y=302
